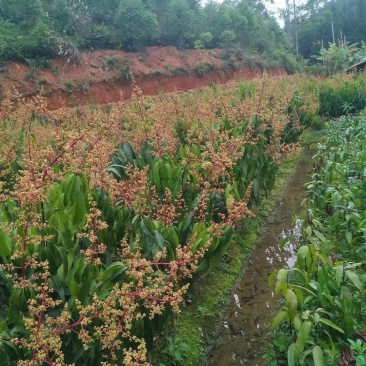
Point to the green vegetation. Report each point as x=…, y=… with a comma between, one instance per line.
x=323, y=307
x=197, y=325
x=107, y=217
x=347, y=98
x=317, y=23
x=63, y=28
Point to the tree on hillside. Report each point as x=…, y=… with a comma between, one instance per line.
x=24, y=13
x=135, y=25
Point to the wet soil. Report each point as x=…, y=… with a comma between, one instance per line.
x=246, y=321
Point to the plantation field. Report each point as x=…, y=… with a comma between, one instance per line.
x=108, y=215
x=322, y=318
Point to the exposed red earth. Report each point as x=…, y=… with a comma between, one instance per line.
x=99, y=79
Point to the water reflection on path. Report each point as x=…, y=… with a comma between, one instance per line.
x=249, y=312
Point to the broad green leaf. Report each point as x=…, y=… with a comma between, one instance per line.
x=114, y=169
x=291, y=300
x=339, y=274
x=282, y=275
x=303, y=251
x=318, y=356
x=320, y=236
x=331, y=324
x=256, y=188
x=302, y=337
x=355, y=279
x=114, y=270
x=156, y=175
x=349, y=237
x=5, y=245
x=291, y=355
x=297, y=322
x=299, y=295
x=278, y=319
x=80, y=209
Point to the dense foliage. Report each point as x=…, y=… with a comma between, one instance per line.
x=39, y=28
x=107, y=216
x=336, y=100
x=315, y=22
x=321, y=320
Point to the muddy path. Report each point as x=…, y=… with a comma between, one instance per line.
x=245, y=324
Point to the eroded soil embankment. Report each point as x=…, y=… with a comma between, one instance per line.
x=112, y=90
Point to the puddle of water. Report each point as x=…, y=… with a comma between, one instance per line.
x=246, y=320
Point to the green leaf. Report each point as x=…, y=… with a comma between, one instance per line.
x=5, y=245
x=355, y=279
x=291, y=300
x=349, y=237
x=156, y=175
x=333, y=351
x=114, y=270
x=339, y=274
x=80, y=209
x=114, y=169
x=318, y=356
x=282, y=275
x=331, y=324
x=291, y=355
x=303, y=251
x=256, y=188
x=320, y=236
x=297, y=322
x=278, y=319
x=302, y=336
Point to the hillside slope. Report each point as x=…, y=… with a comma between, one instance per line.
x=104, y=76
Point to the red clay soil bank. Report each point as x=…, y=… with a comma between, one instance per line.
x=110, y=91
x=97, y=80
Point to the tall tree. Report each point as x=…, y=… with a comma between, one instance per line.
x=135, y=25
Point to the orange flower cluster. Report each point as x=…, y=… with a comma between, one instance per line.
x=40, y=149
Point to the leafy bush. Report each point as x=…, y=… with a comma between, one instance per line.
x=227, y=38
x=323, y=295
x=349, y=97
x=204, y=40
x=202, y=68
x=337, y=58
x=125, y=73
x=288, y=61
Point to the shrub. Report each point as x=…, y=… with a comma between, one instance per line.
x=227, y=38
x=202, y=68
x=109, y=63
x=125, y=73
x=288, y=61
x=349, y=97
x=204, y=40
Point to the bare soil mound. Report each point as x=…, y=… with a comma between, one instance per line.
x=103, y=76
